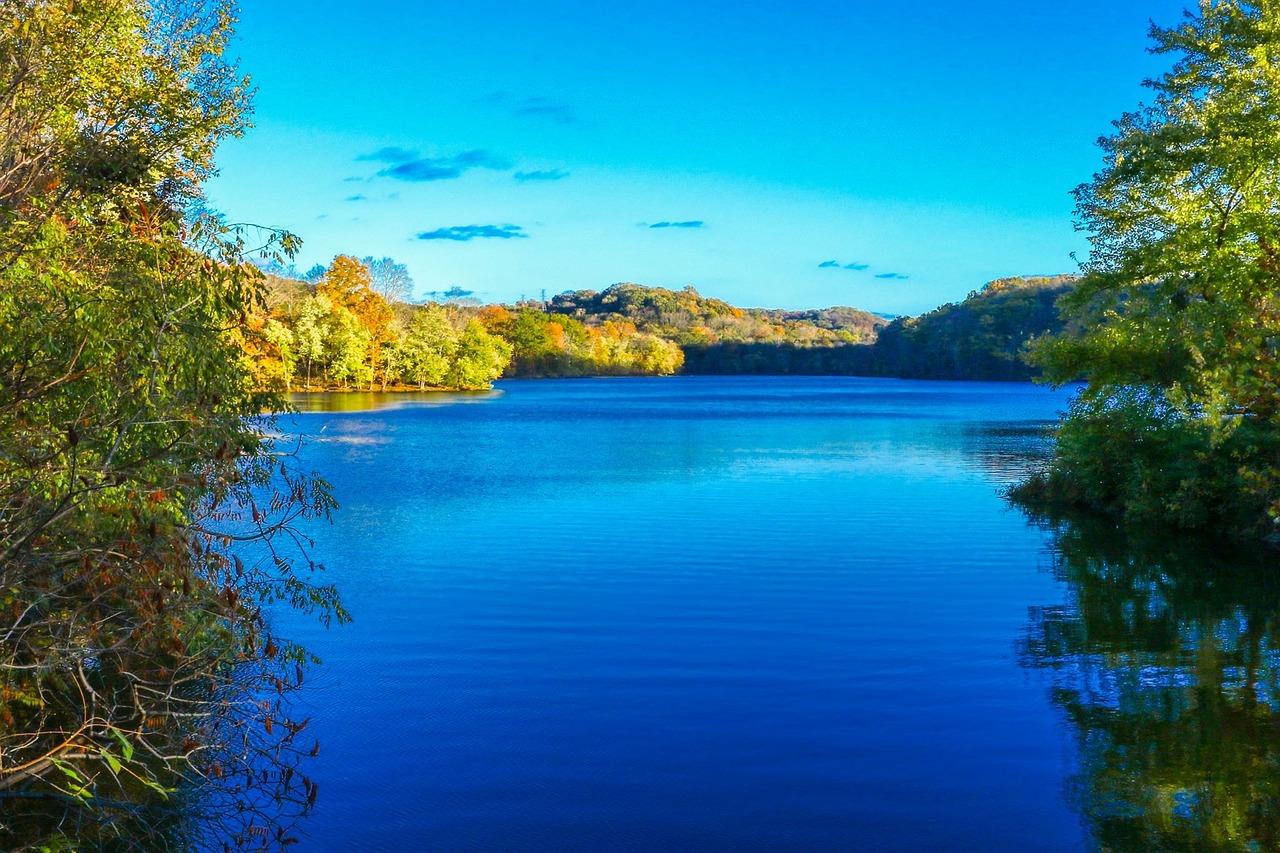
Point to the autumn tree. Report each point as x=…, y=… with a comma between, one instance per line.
x=348, y=284
x=146, y=516
x=1175, y=326
x=269, y=347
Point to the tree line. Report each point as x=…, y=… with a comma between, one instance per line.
x=335, y=329
x=983, y=337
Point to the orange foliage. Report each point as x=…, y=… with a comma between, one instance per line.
x=493, y=317
x=348, y=284
x=555, y=332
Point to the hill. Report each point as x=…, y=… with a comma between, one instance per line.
x=690, y=319
x=982, y=337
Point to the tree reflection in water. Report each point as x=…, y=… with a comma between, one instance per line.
x=1166, y=662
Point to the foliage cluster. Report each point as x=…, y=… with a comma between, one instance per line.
x=716, y=337
x=560, y=345
x=1176, y=325
x=343, y=332
x=311, y=335
x=146, y=518
x=983, y=337
x=307, y=339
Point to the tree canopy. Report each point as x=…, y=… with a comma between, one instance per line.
x=389, y=279
x=1174, y=326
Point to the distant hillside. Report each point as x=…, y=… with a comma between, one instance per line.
x=692, y=320
x=979, y=338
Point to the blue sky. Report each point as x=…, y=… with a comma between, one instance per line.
x=740, y=147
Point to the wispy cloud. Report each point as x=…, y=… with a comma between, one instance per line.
x=480, y=159
x=549, y=175
x=893, y=276
x=535, y=107
x=421, y=171
x=689, y=223
x=390, y=154
x=361, y=198
x=829, y=265
x=836, y=265
x=546, y=108
x=406, y=165
x=463, y=233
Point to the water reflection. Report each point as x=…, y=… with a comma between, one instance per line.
x=368, y=401
x=1008, y=452
x=1165, y=661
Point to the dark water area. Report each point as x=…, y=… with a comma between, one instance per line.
x=765, y=613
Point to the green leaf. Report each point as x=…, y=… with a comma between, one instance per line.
x=126, y=748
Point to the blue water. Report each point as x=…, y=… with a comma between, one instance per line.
x=696, y=613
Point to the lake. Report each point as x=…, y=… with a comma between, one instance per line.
x=764, y=613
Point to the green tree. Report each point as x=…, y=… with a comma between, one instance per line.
x=347, y=344
x=308, y=330
x=481, y=358
x=1175, y=325
x=983, y=337
x=145, y=516
x=281, y=356
x=429, y=347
